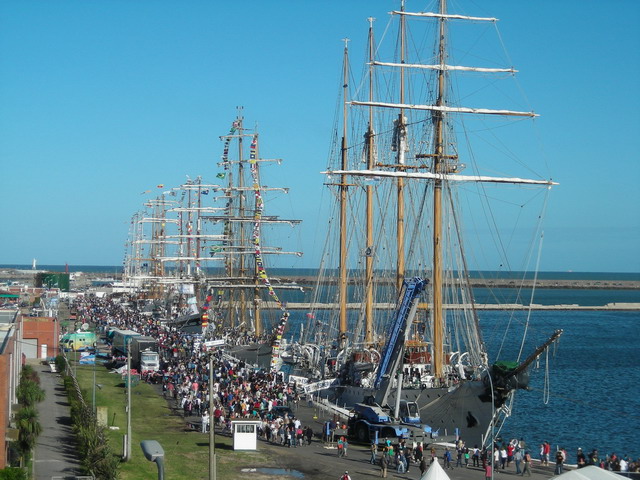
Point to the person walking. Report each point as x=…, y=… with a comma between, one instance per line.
x=205, y=421
x=374, y=452
x=340, y=447
x=407, y=459
x=517, y=458
x=384, y=463
x=488, y=471
x=476, y=456
x=526, y=464
x=559, y=462
x=447, y=458
x=400, y=468
x=423, y=465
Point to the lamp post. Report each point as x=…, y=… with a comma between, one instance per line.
x=493, y=407
x=212, y=425
x=93, y=398
x=128, y=443
x=154, y=452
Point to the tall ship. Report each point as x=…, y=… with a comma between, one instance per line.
x=200, y=252
x=394, y=315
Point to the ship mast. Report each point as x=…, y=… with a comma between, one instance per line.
x=369, y=252
x=401, y=136
x=343, y=204
x=256, y=278
x=438, y=162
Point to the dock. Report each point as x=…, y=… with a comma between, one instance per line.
x=320, y=461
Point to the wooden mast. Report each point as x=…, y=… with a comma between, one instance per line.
x=197, y=292
x=230, y=239
x=256, y=278
x=342, y=281
x=242, y=270
x=438, y=167
x=369, y=252
x=400, y=265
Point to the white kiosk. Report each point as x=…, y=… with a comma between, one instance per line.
x=245, y=434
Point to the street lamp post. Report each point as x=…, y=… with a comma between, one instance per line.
x=493, y=416
x=128, y=443
x=154, y=452
x=93, y=398
x=212, y=425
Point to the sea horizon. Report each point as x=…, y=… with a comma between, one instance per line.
x=311, y=271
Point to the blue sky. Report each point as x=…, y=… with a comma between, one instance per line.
x=102, y=100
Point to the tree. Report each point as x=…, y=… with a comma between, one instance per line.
x=28, y=429
x=29, y=393
x=28, y=373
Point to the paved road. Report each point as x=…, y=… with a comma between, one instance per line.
x=55, y=453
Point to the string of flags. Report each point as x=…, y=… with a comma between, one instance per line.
x=227, y=142
x=256, y=238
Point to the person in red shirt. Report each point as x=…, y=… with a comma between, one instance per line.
x=546, y=450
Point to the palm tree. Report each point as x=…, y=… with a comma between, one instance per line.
x=28, y=429
x=29, y=373
x=29, y=393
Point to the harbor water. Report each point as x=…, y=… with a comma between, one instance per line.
x=589, y=395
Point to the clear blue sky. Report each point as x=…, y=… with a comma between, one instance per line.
x=101, y=100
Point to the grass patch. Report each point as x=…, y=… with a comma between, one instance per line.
x=186, y=452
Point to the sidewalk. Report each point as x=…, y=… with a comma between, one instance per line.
x=55, y=452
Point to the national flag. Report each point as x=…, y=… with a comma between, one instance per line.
x=221, y=175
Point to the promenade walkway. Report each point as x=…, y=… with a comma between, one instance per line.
x=55, y=452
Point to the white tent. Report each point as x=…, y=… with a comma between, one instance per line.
x=588, y=473
x=435, y=472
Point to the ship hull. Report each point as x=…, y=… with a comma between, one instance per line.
x=464, y=409
x=256, y=353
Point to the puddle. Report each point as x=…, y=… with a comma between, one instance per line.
x=285, y=472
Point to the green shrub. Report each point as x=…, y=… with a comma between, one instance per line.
x=93, y=445
x=11, y=473
x=60, y=364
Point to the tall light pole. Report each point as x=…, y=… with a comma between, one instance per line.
x=212, y=426
x=128, y=443
x=493, y=416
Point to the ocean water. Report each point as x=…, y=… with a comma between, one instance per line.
x=117, y=269
x=589, y=397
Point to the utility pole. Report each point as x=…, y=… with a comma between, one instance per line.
x=212, y=425
x=128, y=443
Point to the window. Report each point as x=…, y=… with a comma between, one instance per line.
x=245, y=428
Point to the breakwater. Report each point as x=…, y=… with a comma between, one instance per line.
x=494, y=283
x=484, y=306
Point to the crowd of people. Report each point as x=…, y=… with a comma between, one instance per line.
x=235, y=391
x=232, y=391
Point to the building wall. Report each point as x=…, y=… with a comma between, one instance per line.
x=4, y=406
x=45, y=330
x=10, y=368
